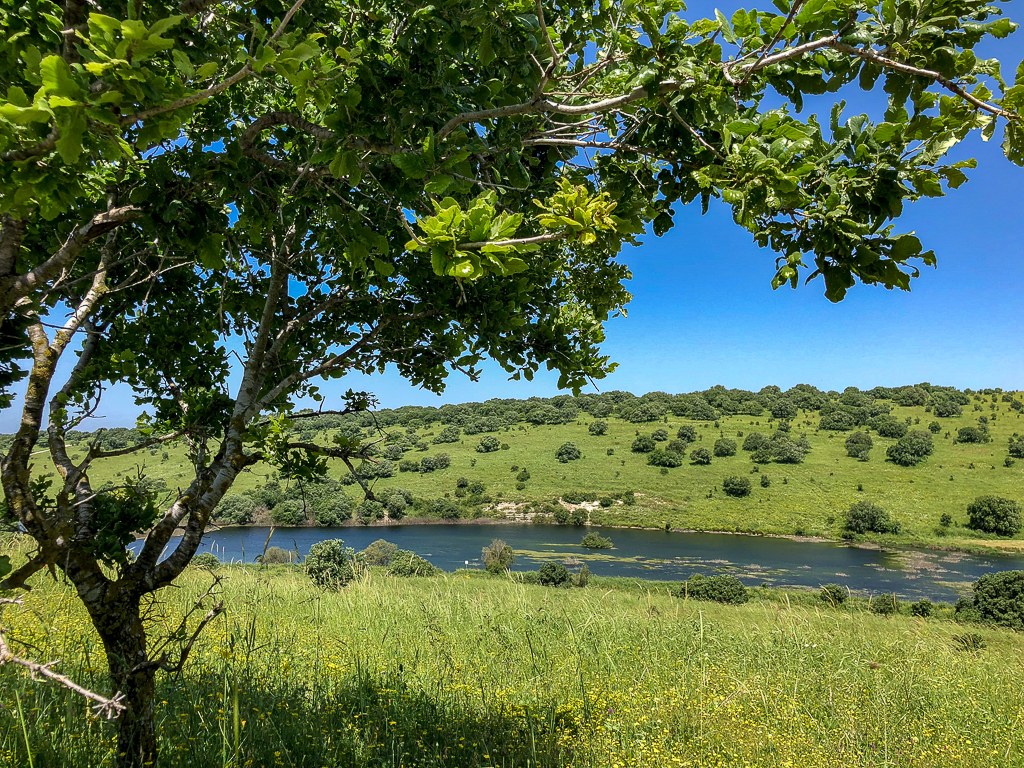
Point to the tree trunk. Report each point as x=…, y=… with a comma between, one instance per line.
x=131, y=674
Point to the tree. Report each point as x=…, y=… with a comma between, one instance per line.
x=568, y=452
x=995, y=514
x=858, y=445
x=488, y=444
x=866, y=517
x=724, y=447
x=1016, y=446
x=700, y=456
x=220, y=205
x=913, y=448
x=736, y=485
x=643, y=444
x=497, y=556
x=598, y=427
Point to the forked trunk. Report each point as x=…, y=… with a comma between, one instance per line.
x=131, y=674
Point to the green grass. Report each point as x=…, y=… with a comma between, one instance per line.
x=465, y=670
x=805, y=499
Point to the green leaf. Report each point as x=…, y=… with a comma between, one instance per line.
x=438, y=184
x=726, y=27
x=410, y=164
x=383, y=268
x=71, y=127
x=24, y=115
x=57, y=78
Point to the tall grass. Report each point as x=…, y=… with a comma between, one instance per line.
x=461, y=671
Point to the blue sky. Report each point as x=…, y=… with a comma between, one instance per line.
x=704, y=313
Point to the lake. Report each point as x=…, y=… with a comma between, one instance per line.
x=657, y=555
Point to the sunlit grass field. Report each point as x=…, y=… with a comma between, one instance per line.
x=465, y=670
x=805, y=499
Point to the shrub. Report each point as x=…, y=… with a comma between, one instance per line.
x=477, y=488
x=972, y=435
x=1016, y=447
x=449, y=434
x=378, y=552
x=834, y=594
x=206, y=560
x=888, y=426
x=288, y=512
x=659, y=436
x=335, y=512
x=594, y=540
x=736, y=485
x=687, y=433
x=858, y=445
x=553, y=575
x=598, y=428
x=884, y=605
x=370, y=510
x=643, y=444
x=719, y=589
x=277, y=556
x=583, y=577
x=999, y=599
x=330, y=564
x=725, y=447
x=754, y=441
x=765, y=481
x=865, y=517
x=934, y=427
x=701, y=456
x=408, y=465
x=664, y=458
x=497, y=556
x=568, y=452
x=945, y=519
x=435, y=463
x=488, y=444
x=922, y=608
x=911, y=449
x=994, y=514
x=239, y=509
x=524, y=475
x=406, y=563
x=396, y=501
x=393, y=452
x=444, y=509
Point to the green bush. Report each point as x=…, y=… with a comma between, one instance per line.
x=999, y=599
x=866, y=517
x=594, y=540
x=1016, y=447
x=378, y=552
x=754, y=441
x=972, y=435
x=206, y=560
x=834, y=594
x=858, y=445
x=444, y=509
x=370, y=510
x=736, y=485
x=765, y=481
x=277, y=556
x=568, y=452
x=664, y=458
x=497, y=556
x=408, y=465
x=724, y=447
x=911, y=449
x=888, y=426
x=659, y=436
x=435, y=463
x=884, y=605
x=553, y=575
x=330, y=564
x=701, y=456
x=406, y=563
x=449, y=434
x=922, y=608
x=719, y=589
x=488, y=444
x=598, y=428
x=994, y=514
x=239, y=509
x=288, y=513
x=643, y=444
x=687, y=433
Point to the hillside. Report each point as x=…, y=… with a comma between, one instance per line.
x=613, y=485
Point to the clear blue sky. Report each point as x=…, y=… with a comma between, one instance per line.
x=704, y=313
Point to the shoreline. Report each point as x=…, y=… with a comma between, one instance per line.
x=995, y=549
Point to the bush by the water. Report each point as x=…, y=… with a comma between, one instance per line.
x=378, y=552
x=834, y=594
x=719, y=589
x=406, y=563
x=994, y=514
x=736, y=485
x=277, y=556
x=998, y=599
x=330, y=564
x=497, y=556
x=205, y=560
x=595, y=540
x=553, y=575
x=866, y=517
x=884, y=605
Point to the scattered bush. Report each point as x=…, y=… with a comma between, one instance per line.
x=583, y=577
x=765, y=481
x=206, y=560
x=277, y=556
x=406, y=563
x=994, y=514
x=701, y=456
x=444, y=509
x=1016, y=447
x=643, y=444
x=408, y=465
x=972, y=435
x=330, y=564
x=239, y=509
x=664, y=458
x=934, y=427
x=435, y=463
x=488, y=444
x=659, y=436
x=378, y=552
x=288, y=513
x=922, y=608
x=449, y=434
x=553, y=575
x=687, y=433
x=568, y=452
x=858, y=445
x=736, y=485
x=719, y=589
x=594, y=540
x=865, y=517
x=911, y=449
x=834, y=594
x=754, y=441
x=598, y=428
x=724, y=447
x=888, y=426
x=370, y=510
x=884, y=605
x=497, y=556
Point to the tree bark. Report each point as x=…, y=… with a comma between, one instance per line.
x=132, y=674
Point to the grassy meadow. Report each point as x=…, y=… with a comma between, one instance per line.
x=469, y=670
x=802, y=499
